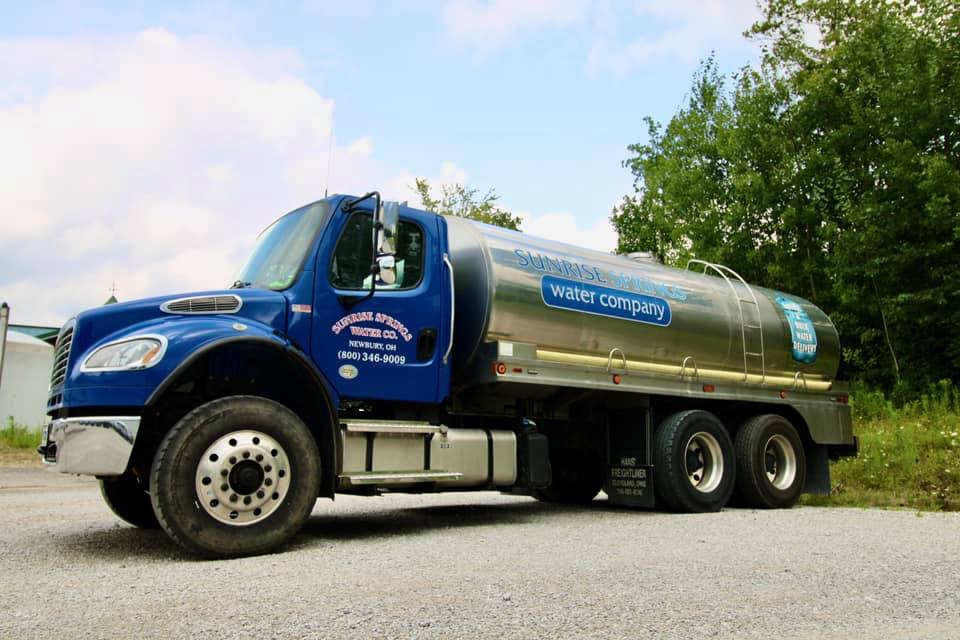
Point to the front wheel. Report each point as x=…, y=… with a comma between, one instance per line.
x=771, y=465
x=237, y=476
x=693, y=462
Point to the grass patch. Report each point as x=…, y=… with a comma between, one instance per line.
x=909, y=455
x=14, y=436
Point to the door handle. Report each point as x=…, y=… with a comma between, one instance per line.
x=426, y=344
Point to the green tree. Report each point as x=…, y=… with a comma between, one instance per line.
x=466, y=202
x=832, y=170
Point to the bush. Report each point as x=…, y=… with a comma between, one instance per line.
x=909, y=455
x=19, y=437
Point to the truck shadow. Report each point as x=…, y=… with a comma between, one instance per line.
x=121, y=543
x=419, y=520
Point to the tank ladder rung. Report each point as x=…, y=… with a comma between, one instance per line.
x=726, y=273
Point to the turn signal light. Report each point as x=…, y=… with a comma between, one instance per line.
x=501, y=369
x=617, y=379
x=709, y=388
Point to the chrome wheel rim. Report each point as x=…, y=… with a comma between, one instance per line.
x=780, y=462
x=703, y=462
x=242, y=478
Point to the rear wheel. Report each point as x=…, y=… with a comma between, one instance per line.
x=128, y=499
x=577, y=477
x=236, y=476
x=693, y=462
x=771, y=465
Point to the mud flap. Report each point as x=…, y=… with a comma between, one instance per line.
x=629, y=480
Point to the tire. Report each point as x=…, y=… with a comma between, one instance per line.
x=693, y=462
x=771, y=465
x=237, y=476
x=127, y=497
x=576, y=478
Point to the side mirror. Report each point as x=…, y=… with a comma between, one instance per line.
x=388, y=269
x=389, y=217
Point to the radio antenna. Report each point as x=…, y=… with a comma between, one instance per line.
x=326, y=187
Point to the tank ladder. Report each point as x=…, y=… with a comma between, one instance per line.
x=753, y=324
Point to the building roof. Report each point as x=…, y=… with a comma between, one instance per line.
x=18, y=337
x=47, y=334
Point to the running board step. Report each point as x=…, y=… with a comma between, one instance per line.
x=392, y=426
x=399, y=477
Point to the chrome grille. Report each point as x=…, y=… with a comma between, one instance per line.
x=61, y=354
x=203, y=304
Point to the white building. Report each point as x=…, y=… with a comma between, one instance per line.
x=24, y=380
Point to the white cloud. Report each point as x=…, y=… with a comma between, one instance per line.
x=151, y=160
x=487, y=25
x=674, y=30
x=688, y=31
x=564, y=227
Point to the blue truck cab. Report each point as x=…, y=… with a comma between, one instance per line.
x=306, y=316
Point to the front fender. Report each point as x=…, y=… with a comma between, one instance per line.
x=185, y=337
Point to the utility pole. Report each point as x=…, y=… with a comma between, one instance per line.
x=4, y=323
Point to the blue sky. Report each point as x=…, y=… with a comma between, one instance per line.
x=157, y=138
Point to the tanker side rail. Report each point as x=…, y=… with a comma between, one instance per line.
x=725, y=273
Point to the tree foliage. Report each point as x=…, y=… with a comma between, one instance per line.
x=466, y=202
x=831, y=171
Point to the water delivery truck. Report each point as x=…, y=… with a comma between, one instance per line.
x=368, y=346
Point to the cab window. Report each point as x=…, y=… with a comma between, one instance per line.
x=350, y=267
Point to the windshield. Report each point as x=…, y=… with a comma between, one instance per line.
x=282, y=248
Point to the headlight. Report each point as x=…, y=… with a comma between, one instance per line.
x=133, y=353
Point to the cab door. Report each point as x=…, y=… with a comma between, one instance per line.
x=385, y=346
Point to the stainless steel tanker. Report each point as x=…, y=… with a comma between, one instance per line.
x=583, y=306
x=221, y=416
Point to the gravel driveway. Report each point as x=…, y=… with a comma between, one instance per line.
x=480, y=565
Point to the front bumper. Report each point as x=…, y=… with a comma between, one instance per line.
x=97, y=446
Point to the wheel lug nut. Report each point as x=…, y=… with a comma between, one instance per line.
x=233, y=497
x=246, y=500
x=268, y=468
x=224, y=487
x=260, y=494
x=268, y=482
x=259, y=457
x=224, y=473
x=233, y=460
x=246, y=454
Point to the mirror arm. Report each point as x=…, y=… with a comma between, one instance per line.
x=350, y=204
x=349, y=301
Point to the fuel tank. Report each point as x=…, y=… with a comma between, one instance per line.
x=580, y=303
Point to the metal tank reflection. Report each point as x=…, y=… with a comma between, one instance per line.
x=576, y=303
